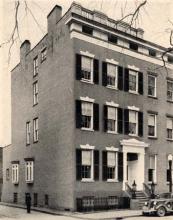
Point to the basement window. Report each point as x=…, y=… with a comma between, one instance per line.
x=133, y=46
x=152, y=53
x=87, y=30
x=112, y=38
x=170, y=59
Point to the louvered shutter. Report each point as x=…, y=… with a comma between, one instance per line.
x=120, y=77
x=78, y=66
x=78, y=114
x=126, y=121
x=104, y=74
x=78, y=164
x=96, y=71
x=105, y=117
x=126, y=80
x=140, y=83
x=120, y=120
x=96, y=165
x=120, y=166
x=140, y=124
x=96, y=116
x=104, y=165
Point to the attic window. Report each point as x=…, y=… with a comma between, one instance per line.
x=170, y=59
x=133, y=46
x=152, y=53
x=87, y=30
x=112, y=38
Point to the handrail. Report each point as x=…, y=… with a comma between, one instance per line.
x=129, y=190
x=146, y=189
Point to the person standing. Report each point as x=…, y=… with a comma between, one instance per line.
x=28, y=202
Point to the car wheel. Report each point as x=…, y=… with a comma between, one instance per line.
x=145, y=214
x=161, y=211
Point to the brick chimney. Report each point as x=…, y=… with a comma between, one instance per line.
x=24, y=49
x=53, y=17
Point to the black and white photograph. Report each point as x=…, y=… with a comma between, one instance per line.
x=86, y=109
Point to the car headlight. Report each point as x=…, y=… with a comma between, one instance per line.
x=146, y=203
x=154, y=203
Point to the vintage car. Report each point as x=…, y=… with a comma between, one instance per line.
x=161, y=205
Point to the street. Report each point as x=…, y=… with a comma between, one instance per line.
x=10, y=213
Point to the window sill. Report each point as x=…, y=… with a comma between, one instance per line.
x=34, y=142
x=16, y=183
x=111, y=87
x=29, y=182
x=133, y=92
x=35, y=104
x=35, y=75
x=133, y=135
x=112, y=132
x=87, y=81
x=87, y=129
x=168, y=139
x=153, y=97
x=170, y=101
x=152, y=137
x=112, y=181
x=150, y=182
x=28, y=145
x=87, y=180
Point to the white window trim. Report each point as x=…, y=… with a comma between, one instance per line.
x=112, y=104
x=168, y=169
x=112, y=61
x=30, y=166
x=87, y=54
x=35, y=61
x=116, y=121
x=133, y=108
x=87, y=147
x=136, y=69
x=15, y=173
x=28, y=132
x=114, y=150
x=155, y=126
x=92, y=119
x=155, y=84
x=170, y=81
x=90, y=81
x=115, y=87
x=137, y=78
x=155, y=170
x=35, y=137
x=136, y=134
x=87, y=99
x=169, y=139
x=35, y=93
x=92, y=165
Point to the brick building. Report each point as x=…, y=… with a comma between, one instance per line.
x=92, y=112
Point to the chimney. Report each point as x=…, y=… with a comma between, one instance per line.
x=24, y=49
x=53, y=17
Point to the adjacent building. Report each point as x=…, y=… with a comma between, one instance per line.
x=92, y=112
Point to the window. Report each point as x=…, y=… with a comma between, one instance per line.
x=111, y=75
x=15, y=197
x=15, y=173
x=111, y=165
x=112, y=38
x=133, y=81
x=151, y=85
x=170, y=128
x=112, y=119
x=170, y=90
x=7, y=174
x=43, y=54
x=28, y=132
x=152, y=53
x=35, y=199
x=35, y=135
x=152, y=125
x=168, y=176
x=87, y=30
x=46, y=199
x=87, y=69
x=133, y=122
x=35, y=65
x=87, y=164
x=87, y=115
x=29, y=171
x=152, y=168
x=133, y=46
x=35, y=93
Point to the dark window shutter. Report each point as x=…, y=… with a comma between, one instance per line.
x=140, y=83
x=78, y=114
x=78, y=164
x=96, y=116
x=104, y=74
x=105, y=116
x=78, y=66
x=96, y=165
x=150, y=175
x=168, y=175
x=120, y=77
x=140, y=124
x=104, y=165
x=120, y=120
x=120, y=166
x=126, y=121
x=126, y=80
x=96, y=71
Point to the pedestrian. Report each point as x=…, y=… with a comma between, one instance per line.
x=28, y=202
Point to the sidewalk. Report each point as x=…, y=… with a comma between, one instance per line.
x=99, y=215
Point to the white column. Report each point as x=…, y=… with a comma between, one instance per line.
x=140, y=171
x=124, y=169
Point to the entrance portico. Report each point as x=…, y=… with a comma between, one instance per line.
x=133, y=162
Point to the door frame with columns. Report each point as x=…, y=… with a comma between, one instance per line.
x=134, y=146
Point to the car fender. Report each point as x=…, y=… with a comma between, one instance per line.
x=161, y=205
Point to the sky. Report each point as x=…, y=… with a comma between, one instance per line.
x=155, y=19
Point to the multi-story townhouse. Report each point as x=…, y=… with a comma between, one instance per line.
x=92, y=112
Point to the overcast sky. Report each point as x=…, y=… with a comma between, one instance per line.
x=154, y=19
